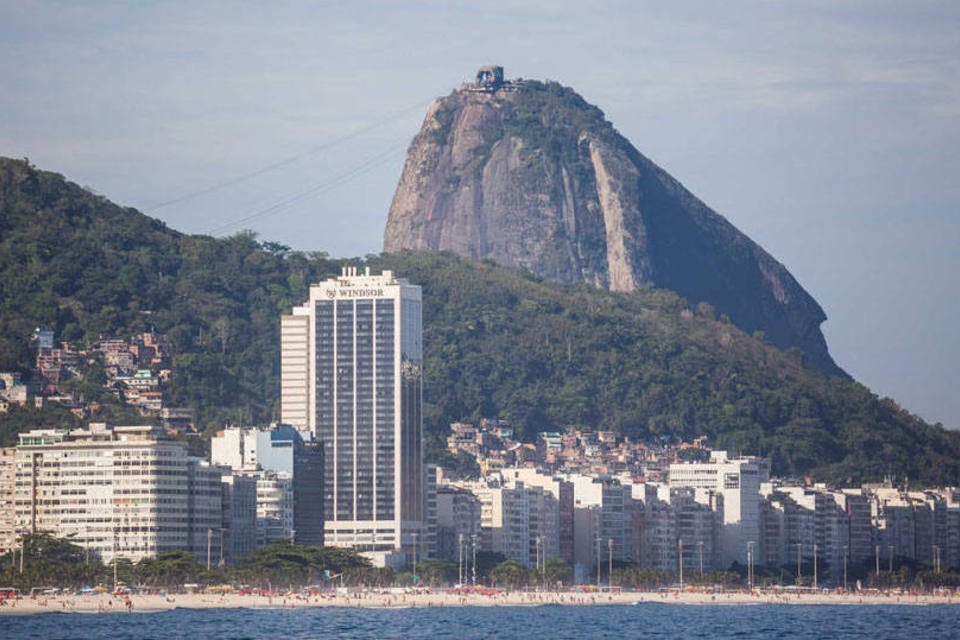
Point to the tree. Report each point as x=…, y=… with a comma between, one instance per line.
x=435, y=573
x=557, y=571
x=284, y=563
x=48, y=560
x=510, y=574
x=169, y=568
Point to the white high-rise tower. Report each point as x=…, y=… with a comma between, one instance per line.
x=351, y=373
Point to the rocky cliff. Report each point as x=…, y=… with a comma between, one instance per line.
x=530, y=175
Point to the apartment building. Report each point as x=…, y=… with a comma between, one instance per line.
x=116, y=491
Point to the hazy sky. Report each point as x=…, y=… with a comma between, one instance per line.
x=827, y=131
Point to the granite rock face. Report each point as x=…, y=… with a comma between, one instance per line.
x=532, y=176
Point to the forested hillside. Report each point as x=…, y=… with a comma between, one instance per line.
x=498, y=342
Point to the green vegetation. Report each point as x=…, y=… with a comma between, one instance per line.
x=550, y=117
x=510, y=574
x=75, y=262
x=630, y=576
x=502, y=343
x=58, y=562
x=499, y=343
x=50, y=561
x=19, y=419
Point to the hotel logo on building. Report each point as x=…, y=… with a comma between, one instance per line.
x=354, y=293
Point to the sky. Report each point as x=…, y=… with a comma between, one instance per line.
x=827, y=131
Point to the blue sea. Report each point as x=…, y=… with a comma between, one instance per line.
x=648, y=620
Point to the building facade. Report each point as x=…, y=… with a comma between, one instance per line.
x=239, y=522
x=458, y=520
x=116, y=491
x=351, y=373
x=274, y=507
x=284, y=451
x=204, y=512
x=8, y=533
x=737, y=481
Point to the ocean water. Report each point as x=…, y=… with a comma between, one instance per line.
x=647, y=620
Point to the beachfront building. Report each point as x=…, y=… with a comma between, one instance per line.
x=279, y=455
x=274, y=507
x=458, y=521
x=674, y=524
x=504, y=519
x=239, y=521
x=737, y=482
x=204, y=511
x=116, y=491
x=351, y=374
x=8, y=533
x=556, y=531
x=603, y=522
x=860, y=543
x=806, y=524
x=655, y=528
x=695, y=528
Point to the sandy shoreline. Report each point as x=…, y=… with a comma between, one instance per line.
x=153, y=603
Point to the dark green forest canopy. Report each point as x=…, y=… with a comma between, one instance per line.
x=498, y=342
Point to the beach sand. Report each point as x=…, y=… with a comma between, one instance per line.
x=104, y=603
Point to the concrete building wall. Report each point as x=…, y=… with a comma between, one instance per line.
x=695, y=528
x=226, y=448
x=239, y=514
x=274, y=507
x=8, y=534
x=308, y=516
x=204, y=511
x=660, y=547
x=861, y=537
x=363, y=400
x=738, y=481
x=458, y=514
x=295, y=402
x=117, y=491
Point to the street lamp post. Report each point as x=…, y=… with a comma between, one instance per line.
x=799, y=575
x=536, y=563
x=680, y=560
x=543, y=560
x=598, y=561
x=750, y=564
x=845, y=553
x=415, y=538
x=814, y=565
x=936, y=558
x=700, y=546
x=609, y=562
x=474, y=540
x=460, y=558
x=114, y=559
x=23, y=549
